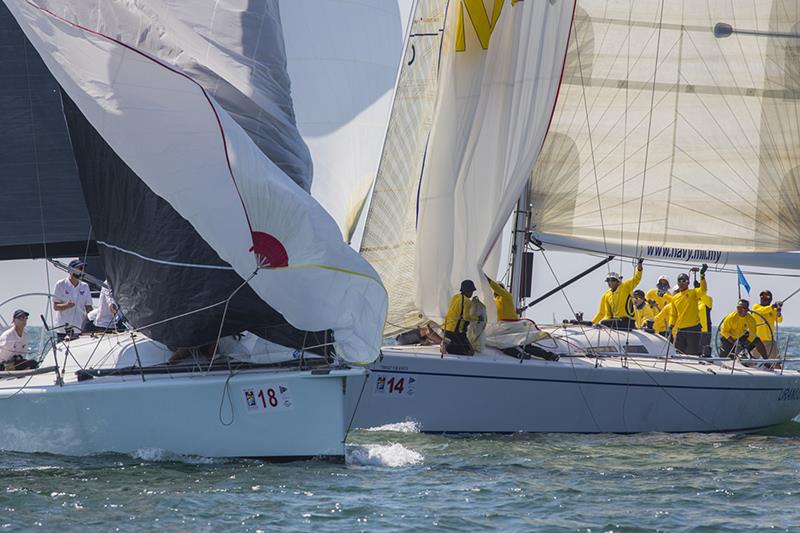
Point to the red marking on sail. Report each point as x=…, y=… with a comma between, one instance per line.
x=269, y=251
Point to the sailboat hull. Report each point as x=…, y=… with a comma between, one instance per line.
x=250, y=413
x=497, y=393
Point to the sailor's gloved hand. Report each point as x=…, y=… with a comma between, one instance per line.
x=639, y=263
x=703, y=269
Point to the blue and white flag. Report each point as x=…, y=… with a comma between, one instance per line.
x=742, y=280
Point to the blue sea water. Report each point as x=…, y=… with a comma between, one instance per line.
x=397, y=479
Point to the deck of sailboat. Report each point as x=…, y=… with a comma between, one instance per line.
x=674, y=364
x=107, y=356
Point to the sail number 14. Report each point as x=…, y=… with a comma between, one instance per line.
x=395, y=385
x=267, y=399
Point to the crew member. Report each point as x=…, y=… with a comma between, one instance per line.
x=616, y=304
x=642, y=310
x=14, y=345
x=71, y=300
x=740, y=327
x=456, y=322
x=660, y=296
x=506, y=310
x=685, y=316
x=104, y=318
x=704, y=303
x=661, y=323
x=768, y=316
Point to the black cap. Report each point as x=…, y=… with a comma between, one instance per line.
x=467, y=286
x=19, y=313
x=743, y=303
x=766, y=292
x=639, y=293
x=76, y=263
x=683, y=276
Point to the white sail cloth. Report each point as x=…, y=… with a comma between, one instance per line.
x=492, y=113
x=188, y=150
x=324, y=67
x=672, y=142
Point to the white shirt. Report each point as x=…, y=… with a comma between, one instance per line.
x=12, y=344
x=103, y=316
x=65, y=292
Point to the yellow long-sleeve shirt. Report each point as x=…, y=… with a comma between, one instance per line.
x=770, y=314
x=661, y=301
x=458, y=314
x=734, y=326
x=618, y=303
x=506, y=310
x=704, y=304
x=661, y=320
x=685, y=306
x=643, y=314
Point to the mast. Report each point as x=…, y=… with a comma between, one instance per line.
x=518, y=246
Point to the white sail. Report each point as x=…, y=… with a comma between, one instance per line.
x=186, y=149
x=499, y=74
x=389, y=241
x=672, y=142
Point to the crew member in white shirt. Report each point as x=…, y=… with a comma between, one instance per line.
x=104, y=318
x=14, y=345
x=71, y=300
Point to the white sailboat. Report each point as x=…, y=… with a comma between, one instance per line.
x=656, y=116
x=177, y=127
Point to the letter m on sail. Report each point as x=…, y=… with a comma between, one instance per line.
x=479, y=18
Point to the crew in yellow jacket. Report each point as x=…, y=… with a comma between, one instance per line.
x=643, y=312
x=685, y=316
x=704, y=304
x=616, y=304
x=766, y=327
x=506, y=310
x=660, y=296
x=740, y=326
x=456, y=322
x=661, y=321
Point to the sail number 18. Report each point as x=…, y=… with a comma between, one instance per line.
x=267, y=399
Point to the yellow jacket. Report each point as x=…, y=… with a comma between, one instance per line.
x=685, y=306
x=773, y=319
x=704, y=304
x=506, y=310
x=618, y=303
x=458, y=314
x=734, y=326
x=661, y=320
x=661, y=301
x=643, y=315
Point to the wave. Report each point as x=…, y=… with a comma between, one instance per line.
x=386, y=455
x=409, y=426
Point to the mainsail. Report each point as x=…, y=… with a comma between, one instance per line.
x=187, y=207
x=677, y=134
x=454, y=182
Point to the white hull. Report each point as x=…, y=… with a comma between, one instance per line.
x=492, y=392
x=202, y=413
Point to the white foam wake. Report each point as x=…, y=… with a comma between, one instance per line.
x=409, y=426
x=157, y=455
x=388, y=455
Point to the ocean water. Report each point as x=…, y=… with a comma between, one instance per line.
x=397, y=479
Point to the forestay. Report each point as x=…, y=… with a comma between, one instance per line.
x=163, y=129
x=672, y=142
